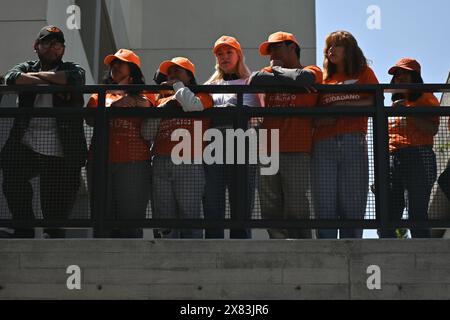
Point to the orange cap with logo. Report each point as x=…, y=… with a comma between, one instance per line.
x=178, y=61
x=406, y=64
x=123, y=55
x=227, y=41
x=276, y=37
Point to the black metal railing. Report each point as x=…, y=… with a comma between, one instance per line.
x=379, y=112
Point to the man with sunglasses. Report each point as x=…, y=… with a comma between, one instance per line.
x=53, y=149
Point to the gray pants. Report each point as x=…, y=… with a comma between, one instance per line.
x=340, y=181
x=285, y=195
x=177, y=194
x=129, y=187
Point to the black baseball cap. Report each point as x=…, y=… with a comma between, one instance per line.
x=51, y=32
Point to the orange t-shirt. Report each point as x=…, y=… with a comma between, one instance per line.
x=344, y=125
x=125, y=141
x=163, y=143
x=295, y=132
x=410, y=135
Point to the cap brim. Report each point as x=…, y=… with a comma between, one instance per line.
x=264, y=48
x=110, y=58
x=59, y=37
x=216, y=48
x=393, y=69
x=165, y=65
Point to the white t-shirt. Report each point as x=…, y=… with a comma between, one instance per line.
x=42, y=133
x=251, y=100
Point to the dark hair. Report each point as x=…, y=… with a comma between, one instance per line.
x=135, y=74
x=355, y=61
x=159, y=77
x=413, y=95
x=297, y=48
x=193, y=81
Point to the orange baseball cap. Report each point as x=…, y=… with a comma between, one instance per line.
x=276, y=37
x=178, y=61
x=227, y=41
x=124, y=55
x=406, y=64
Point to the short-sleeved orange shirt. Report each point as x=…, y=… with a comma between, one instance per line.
x=410, y=135
x=344, y=125
x=125, y=141
x=163, y=143
x=295, y=132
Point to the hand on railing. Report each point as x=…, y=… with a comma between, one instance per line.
x=125, y=102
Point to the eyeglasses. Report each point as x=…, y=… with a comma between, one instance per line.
x=53, y=44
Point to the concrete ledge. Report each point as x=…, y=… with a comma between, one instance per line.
x=232, y=269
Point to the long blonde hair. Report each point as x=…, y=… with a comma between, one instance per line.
x=243, y=72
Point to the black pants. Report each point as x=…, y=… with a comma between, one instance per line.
x=59, y=184
x=412, y=169
x=444, y=182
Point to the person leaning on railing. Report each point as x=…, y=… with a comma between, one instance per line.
x=179, y=178
x=444, y=179
x=129, y=171
x=412, y=159
x=340, y=174
x=284, y=195
x=53, y=149
x=230, y=70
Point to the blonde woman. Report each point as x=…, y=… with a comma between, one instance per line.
x=230, y=70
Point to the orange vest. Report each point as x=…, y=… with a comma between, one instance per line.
x=409, y=135
x=125, y=141
x=344, y=125
x=295, y=132
x=163, y=143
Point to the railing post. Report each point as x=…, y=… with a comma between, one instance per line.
x=241, y=171
x=381, y=152
x=100, y=166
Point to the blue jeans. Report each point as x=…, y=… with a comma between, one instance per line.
x=218, y=178
x=177, y=194
x=413, y=170
x=340, y=182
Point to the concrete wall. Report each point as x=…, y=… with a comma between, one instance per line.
x=159, y=30
x=20, y=22
x=411, y=269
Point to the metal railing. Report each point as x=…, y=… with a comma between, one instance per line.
x=240, y=115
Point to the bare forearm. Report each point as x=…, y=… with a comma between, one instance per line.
x=141, y=102
x=58, y=77
x=25, y=79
